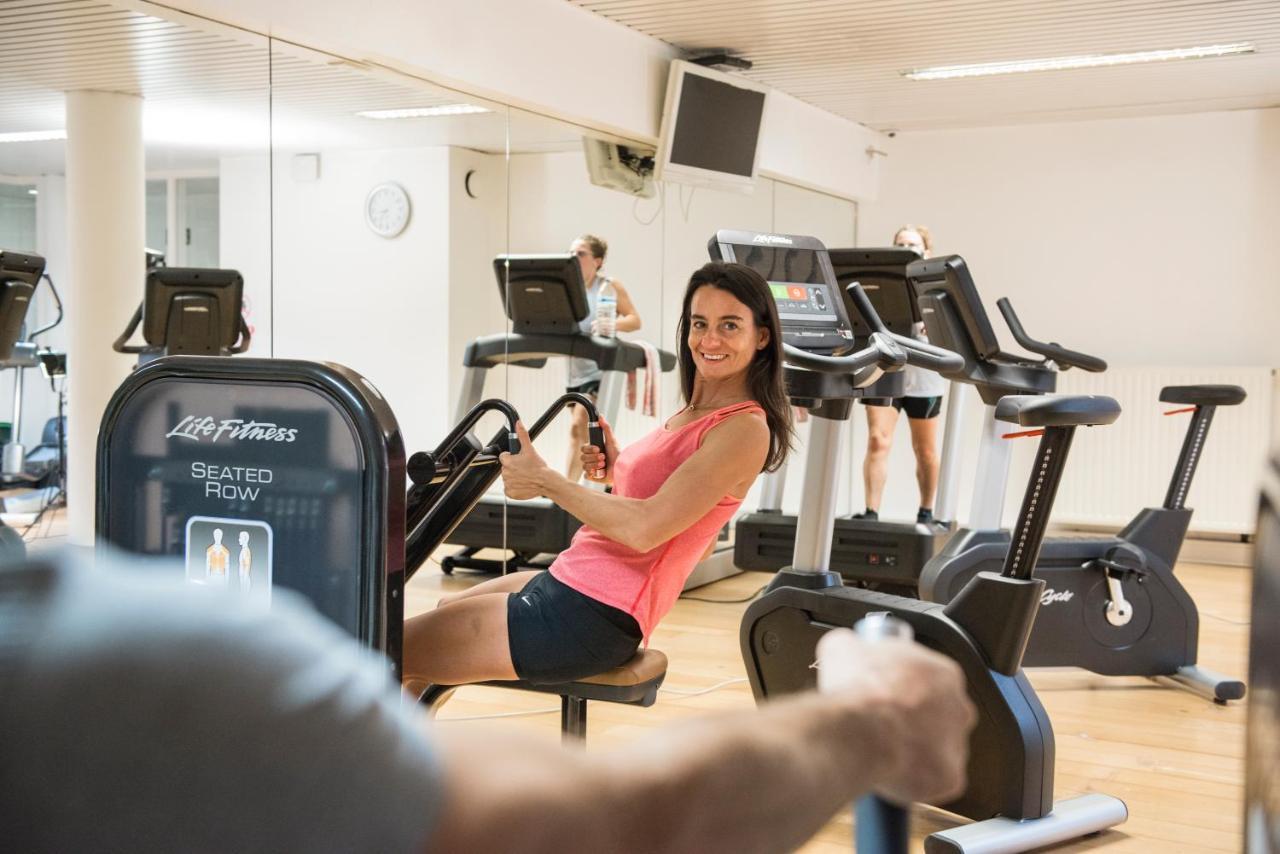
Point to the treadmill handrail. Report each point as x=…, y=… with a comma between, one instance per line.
x=489, y=351
x=918, y=353
x=121, y=344
x=1061, y=355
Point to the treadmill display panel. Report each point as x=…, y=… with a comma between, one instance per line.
x=803, y=302
x=802, y=285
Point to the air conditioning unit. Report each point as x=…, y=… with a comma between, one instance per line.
x=627, y=168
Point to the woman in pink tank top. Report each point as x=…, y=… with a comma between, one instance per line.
x=673, y=491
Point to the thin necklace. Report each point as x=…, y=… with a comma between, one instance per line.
x=696, y=406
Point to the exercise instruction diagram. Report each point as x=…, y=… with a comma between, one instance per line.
x=232, y=554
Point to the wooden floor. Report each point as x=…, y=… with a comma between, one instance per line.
x=1175, y=759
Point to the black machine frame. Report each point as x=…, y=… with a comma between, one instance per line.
x=177, y=299
x=1010, y=791
x=1115, y=605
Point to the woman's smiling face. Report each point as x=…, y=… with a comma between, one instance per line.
x=723, y=336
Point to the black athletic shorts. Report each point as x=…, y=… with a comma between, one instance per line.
x=915, y=407
x=557, y=634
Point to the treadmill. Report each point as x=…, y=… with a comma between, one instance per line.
x=545, y=299
x=873, y=552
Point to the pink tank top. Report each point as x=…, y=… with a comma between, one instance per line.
x=647, y=584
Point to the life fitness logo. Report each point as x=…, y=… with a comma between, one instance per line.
x=772, y=239
x=197, y=429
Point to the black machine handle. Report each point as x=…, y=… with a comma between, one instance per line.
x=918, y=353
x=121, y=344
x=881, y=351
x=450, y=480
x=57, y=301
x=245, y=338
x=595, y=433
x=1061, y=355
x=432, y=467
x=864, y=358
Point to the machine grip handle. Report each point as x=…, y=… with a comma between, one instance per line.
x=595, y=436
x=1064, y=357
x=862, y=304
x=830, y=364
x=881, y=827
x=925, y=355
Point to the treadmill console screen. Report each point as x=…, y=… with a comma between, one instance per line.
x=802, y=283
x=803, y=302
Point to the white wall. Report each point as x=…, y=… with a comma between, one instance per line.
x=244, y=229
x=1142, y=240
x=477, y=232
x=343, y=294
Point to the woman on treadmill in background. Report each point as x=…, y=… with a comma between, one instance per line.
x=672, y=492
x=921, y=400
x=584, y=374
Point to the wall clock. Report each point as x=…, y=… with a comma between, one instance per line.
x=386, y=209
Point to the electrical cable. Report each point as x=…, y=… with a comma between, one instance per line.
x=750, y=598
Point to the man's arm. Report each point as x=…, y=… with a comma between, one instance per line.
x=763, y=781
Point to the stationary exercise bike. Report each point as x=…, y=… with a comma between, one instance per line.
x=1112, y=605
x=985, y=629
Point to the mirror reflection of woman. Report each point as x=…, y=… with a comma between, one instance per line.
x=584, y=374
x=922, y=402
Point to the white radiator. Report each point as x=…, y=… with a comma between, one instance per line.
x=1114, y=471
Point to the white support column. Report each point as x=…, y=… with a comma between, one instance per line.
x=987, y=509
x=945, y=507
x=106, y=230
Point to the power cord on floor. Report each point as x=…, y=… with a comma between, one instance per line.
x=701, y=691
x=749, y=598
x=1226, y=620
x=496, y=715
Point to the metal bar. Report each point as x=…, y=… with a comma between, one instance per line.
x=816, y=522
x=993, y=473
x=945, y=506
x=1037, y=503
x=1189, y=458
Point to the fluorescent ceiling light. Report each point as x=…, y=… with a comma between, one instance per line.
x=1061, y=63
x=33, y=192
x=423, y=112
x=33, y=136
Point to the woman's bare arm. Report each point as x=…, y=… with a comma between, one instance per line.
x=628, y=318
x=732, y=454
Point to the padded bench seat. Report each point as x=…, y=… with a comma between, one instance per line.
x=1203, y=395
x=635, y=683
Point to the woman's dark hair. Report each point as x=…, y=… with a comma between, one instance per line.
x=764, y=376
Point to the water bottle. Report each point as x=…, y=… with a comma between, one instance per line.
x=607, y=310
